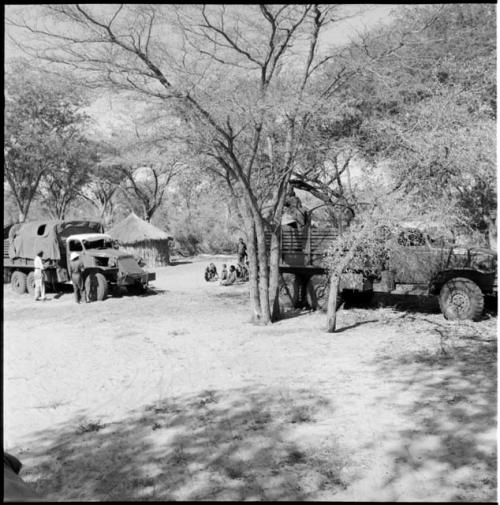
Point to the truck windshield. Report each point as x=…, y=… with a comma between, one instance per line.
x=101, y=243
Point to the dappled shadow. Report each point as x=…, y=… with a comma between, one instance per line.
x=450, y=438
x=230, y=295
x=217, y=445
x=292, y=313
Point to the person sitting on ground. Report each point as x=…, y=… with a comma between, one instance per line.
x=223, y=273
x=245, y=274
x=242, y=272
x=231, y=277
x=211, y=273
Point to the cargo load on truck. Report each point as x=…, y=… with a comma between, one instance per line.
x=28, y=239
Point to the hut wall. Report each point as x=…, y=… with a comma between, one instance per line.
x=154, y=252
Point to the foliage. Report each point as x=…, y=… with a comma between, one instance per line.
x=44, y=148
x=430, y=111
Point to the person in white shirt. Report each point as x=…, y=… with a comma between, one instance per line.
x=39, y=282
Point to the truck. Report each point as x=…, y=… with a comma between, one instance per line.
x=415, y=264
x=106, y=267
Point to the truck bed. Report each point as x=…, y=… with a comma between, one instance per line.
x=304, y=249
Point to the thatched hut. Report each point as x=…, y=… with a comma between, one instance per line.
x=143, y=239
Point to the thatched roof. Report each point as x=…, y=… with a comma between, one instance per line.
x=133, y=230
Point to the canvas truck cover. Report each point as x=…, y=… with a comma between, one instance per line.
x=47, y=236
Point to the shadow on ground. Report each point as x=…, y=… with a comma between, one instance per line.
x=417, y=304
x=217, y=445
x=125, y=292
x=179, y=262
x=451, y=438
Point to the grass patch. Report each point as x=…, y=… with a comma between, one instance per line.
x=90, y=427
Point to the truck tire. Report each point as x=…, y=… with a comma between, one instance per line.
x=30, y=283
x=460, y=299
x=288, y=291
x=19, y=282
x=317, y=292
x=96, y=287
x=7, y=275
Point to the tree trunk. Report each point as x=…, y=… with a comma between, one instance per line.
x=263, y=271
x=253, y=265
x=331, y=314
x=274, y=259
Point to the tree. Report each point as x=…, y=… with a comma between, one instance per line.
x=101, y=189
x=73, y=159
x=431, y=112
x=44, y=148
x=246, y=82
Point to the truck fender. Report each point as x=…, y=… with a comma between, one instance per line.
x=444, y=276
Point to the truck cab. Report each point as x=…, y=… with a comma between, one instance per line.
x=106, y=265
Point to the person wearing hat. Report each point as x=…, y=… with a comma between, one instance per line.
x=76, y=270
x=38, y=274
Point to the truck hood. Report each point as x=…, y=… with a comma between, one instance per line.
x=477, y=258
x=473, y=251
x=108, y=253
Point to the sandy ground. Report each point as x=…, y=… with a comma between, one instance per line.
x=175, y=395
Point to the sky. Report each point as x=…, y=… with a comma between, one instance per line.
x=340, y=33
x=108, y=110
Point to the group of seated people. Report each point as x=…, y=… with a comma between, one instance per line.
x=227, y=277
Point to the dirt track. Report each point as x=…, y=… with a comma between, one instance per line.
x=176, y=395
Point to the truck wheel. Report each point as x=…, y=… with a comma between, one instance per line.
x=96, y=287
x=317, y=292
x=30, y=283
x=288, y=291
x=7, y=275
x=19, y=282
x=461, y=298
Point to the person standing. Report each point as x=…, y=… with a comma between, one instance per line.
x=76, y=269
x=242, y=252
x=39, y=279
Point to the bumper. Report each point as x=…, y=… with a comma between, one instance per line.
x=131, y=279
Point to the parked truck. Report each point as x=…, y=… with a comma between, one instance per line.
x=415, y=263
x=105, y=266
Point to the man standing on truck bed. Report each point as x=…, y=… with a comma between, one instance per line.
x=76, y=270
x=242, y=251
x=39, y=281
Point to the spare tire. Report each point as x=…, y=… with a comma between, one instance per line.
x=288, y=291
x=460, y=299
x=96, y=287
x=317, y=291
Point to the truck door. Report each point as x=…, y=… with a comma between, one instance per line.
x=414, y=260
